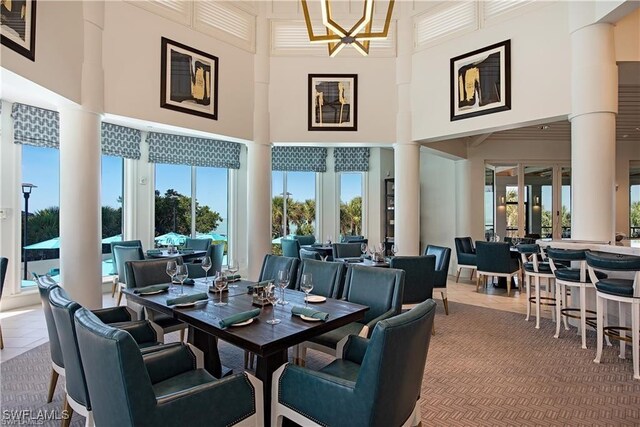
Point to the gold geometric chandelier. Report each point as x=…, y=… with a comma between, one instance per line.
x=359, y=36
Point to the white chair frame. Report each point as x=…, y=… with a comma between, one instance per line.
x=473, y=269
x=551, y=278
x=481, y=274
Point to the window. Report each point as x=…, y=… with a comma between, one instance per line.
x=351, y=203
x=41, y=167
x=295, y=213
x=111, y=192
x=489, y=203
x=634, y=201
x=176, y=217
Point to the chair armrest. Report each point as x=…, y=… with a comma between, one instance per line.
x=169, y=362
x=159, y=347
x=355, y=348
x=228, y=401
x=372, y=324
x=113, y=314
x=141, y=331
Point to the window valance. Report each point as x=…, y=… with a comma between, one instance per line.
x=351, y=159
x=35, y=126
x=187, y=150
x=120, y=141
x=301, y=159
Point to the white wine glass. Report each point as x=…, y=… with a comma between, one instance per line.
x=232, y=268
x=363, y=249
x=181, y=275
x=394, y=249
x=206, y=266
x=306, y=285
x=171, y=271
x=220, y=283
x=272, y=297
x=283, y=281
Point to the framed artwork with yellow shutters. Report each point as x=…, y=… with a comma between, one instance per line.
x=188, y=80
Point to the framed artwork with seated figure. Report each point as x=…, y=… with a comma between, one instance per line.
x=333, y=102
x=18, y=26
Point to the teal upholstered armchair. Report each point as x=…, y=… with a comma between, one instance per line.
x=378, y=288
x=121, y=252
x=215, y=252
x=346, y=250
x=273, y=263
x=372, y=383
x=197, y=244
x=328, y=277
x=419, y=277
x=307, y=254
x=305, y=240
x=159, y=389
x=494, y=259
x=290, y=248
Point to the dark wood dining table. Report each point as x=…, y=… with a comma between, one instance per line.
x=188, y=255
x=325, y=251
x=269, y=343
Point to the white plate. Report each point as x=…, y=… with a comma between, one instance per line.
x=316, y=298
x=154, y=292
x=310, y=319
x=186, y=304
x=246, y=322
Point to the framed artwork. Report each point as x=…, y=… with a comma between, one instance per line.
x=189, y=80
x=18, y=26
x=481, y=81
x=333, y=102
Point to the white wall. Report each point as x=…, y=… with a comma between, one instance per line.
x=131, y=59
x=540, y=85
x=58, y=52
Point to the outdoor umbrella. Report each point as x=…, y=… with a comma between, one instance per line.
x=47, y=244
x=212, y=235
x=116, y=238
x=171, y=239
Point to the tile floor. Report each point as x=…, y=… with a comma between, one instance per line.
x=25, y=328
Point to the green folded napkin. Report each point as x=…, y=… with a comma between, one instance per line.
x=189, y=282
x=187, y=299
x=309, y=312
x=239, y=317
x=154, y=252
x=152, y=288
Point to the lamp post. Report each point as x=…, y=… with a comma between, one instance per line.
x=26, y=192
x=175, y=203
x=285, y=222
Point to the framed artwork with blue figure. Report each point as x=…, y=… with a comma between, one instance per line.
x=18, y=26
x=481, y=81
x=333, y=102
x=188, y=80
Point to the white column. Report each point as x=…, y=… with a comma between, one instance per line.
x=406, y=153
x=259, y=157
x=594, y=97
x=80, y=154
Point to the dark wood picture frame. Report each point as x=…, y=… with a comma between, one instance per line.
x=18, y=33
x=335, y=107
x=481, y=81
x=188, y=80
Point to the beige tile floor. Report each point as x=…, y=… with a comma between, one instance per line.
x=25, y=328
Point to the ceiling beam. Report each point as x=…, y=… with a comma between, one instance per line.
x=479, y=140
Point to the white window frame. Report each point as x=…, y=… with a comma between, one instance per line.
x=364, y=188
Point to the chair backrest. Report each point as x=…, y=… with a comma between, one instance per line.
x=328, y=277
x=306, y=254
x=45, y=286
x=309, y=239
x=4, y=263
x=378, y=288
x=216, y=253
x=123, y=252
x=464, y=245
x=348, y=238
x=290, y=248
x=390, y=380
x=197, y=244
x=346, y=250
x=116, y=376
x=148, y=272
x=129, y=243
x=420, y=272
x=63, y=309
x=495, y=257
x=566, y=255
x=443, y=257
x=274, y=263
x=614, y=262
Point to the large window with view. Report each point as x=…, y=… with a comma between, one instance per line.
x=293, y=205
x=634, y=201
x=351, y=203
x=111, y=194
x=41, y=248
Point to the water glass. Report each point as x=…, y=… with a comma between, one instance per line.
x=363, y=249
x=181, y=274
x=306, y=285
x=283, y=281
x=220, y=284
x=271, y=296
x=232, y=268
x=171, y=270
x=206, y=266
x=394, y=249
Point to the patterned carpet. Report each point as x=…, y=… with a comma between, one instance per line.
x=485, y=367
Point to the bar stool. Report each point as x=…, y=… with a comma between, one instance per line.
x=534, y=268
x=624, y=291
x=574, y=277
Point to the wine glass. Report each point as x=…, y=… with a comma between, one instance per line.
x=363, y=249
x=181, y=275
x=171, y=270
x=329, y=239
x=306, y=285
x=394, y=249
x=283, y=281
x=206, y=265
x=232, y=268
x=272, y=297
x=220, y=283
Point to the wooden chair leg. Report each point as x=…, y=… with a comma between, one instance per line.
x=67, y=412
x=473, y=271
x=119, y=297
x=445, y=301
x=52, y=385
x=181, y=335
x=1, y=340
x=114, y=285
x=458, y=275
x=433, y=328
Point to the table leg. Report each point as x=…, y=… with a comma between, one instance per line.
x=265, y=368
x=209, y=346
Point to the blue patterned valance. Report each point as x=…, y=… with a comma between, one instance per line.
x=35, y=126
x=120, y=141
x=301, y=159
x=187, y=150
x=351, y=159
